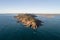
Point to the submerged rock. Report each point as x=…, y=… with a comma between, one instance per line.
x=28, y=20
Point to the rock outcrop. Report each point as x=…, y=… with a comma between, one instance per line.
x=28, y=20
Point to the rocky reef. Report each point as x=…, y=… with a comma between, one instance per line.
x=28, y=20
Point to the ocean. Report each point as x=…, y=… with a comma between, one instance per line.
x=11, y=30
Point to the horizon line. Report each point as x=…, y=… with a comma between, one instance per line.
x=29, y=13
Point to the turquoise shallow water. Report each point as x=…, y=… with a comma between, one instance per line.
x=11, y=30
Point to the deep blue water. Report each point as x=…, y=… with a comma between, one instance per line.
x=11, y=30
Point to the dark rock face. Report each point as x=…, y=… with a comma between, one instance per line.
x=28, y=20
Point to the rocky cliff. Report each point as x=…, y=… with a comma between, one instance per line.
x=28, y=20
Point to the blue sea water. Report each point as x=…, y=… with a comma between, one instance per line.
x=11, y=30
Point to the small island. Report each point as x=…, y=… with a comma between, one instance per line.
x=28, y=20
